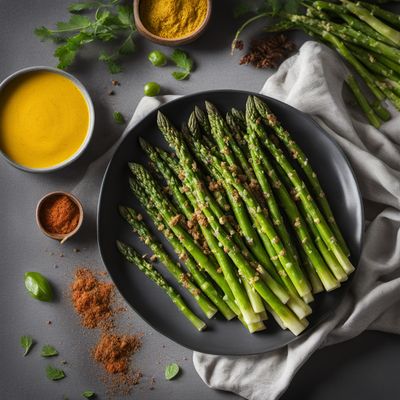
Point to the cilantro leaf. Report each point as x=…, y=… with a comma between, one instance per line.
x=127, y=47
x=125, y=15
x=78, y=7
x=54, y=374
x=48, y=351
x=26, y=343
x=111, y=62
x=75, y=23
x=183, y=61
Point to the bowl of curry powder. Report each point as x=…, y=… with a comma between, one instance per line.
x=172, y=22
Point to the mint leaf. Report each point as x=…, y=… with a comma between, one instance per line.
x=54, y=374
x=171, y=371
x=26, y=343
x=180, y=75
x=88, y=394
x=78, y=7
x=48, y=351
x=118, y=118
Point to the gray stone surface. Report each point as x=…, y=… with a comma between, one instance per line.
x=362, y=368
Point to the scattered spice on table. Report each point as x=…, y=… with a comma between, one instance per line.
x=114, y=353
x=268, y=52
x=59, y=214
x=171, y=18
x=92, y=299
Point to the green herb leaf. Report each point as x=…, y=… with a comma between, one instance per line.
x=38, y=286
x=127, y=47
x=118, y=118
x=88, y=394
x=111, y=61
x=171, y=371
x=125, y=15
x=78, y=7
x=75, y=23
x=182, y=60
x=180, y=75
x=26, y=343
x=54, y=374
x=242, y=9
x=48, y=351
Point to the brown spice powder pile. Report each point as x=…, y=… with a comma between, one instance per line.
x=93, y=302
x=91, y=298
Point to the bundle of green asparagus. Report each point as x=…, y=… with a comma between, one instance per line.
x=365, y=35
x=244, y=212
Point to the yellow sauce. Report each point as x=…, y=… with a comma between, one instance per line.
x=44, y=119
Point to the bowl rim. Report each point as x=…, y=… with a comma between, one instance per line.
x=88, y=101
x=59, y=236
x=170, y=41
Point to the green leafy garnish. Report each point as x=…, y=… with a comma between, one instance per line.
x=38, y=286
x=108, y=22
x=118, y=118
x=183, y=61
x=88, y=394
x=54, y=374
x=171, y=371
x=48, y=351
x=26, y=343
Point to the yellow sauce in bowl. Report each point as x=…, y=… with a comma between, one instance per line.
x=44, y=119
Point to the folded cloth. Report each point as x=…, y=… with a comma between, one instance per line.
x=312, y=81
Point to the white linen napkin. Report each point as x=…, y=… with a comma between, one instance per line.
x=312, y=81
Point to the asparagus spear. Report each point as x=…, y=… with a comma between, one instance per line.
x=173, y=138
x=348, y=34
x=298, y=155
x=363, y=102
x=133, y=257
x=230, y=284
x=135, y=220
x=202, y=281
x=372, y=21
x=301, y=189
x=392, y=18
x=353, y=22
x=295, y=303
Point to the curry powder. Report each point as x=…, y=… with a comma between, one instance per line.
x=172, y=19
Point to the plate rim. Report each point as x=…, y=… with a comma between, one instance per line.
x=360, y=239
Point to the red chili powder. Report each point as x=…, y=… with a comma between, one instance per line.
x=59, y=214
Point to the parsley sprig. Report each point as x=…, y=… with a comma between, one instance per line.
x=109, y=21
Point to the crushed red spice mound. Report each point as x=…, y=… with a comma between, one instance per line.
x=91, y=298
x=268, y=52
x=59, y=214
x=114, y=352
x=93, y=301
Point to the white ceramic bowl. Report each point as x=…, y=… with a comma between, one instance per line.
x=89, y=103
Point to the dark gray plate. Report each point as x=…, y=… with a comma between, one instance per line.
x=148, y=300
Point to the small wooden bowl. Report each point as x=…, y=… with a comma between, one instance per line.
x=59, y=236
x=165, y=41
